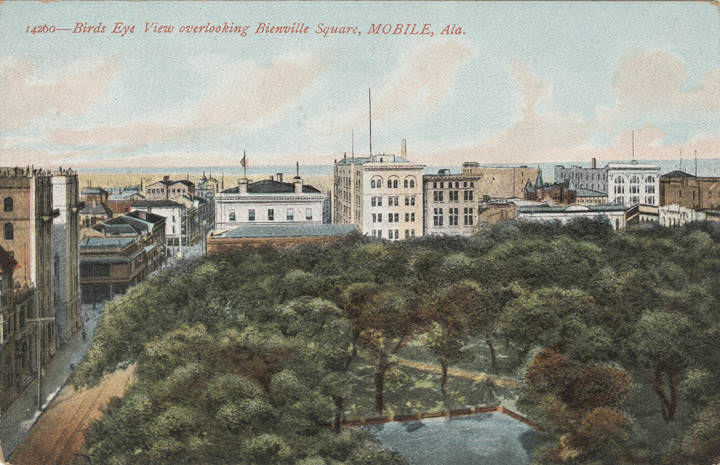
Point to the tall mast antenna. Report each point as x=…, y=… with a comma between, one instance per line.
x=696, y=163
x=633, y=144
x=352, y=144
x=370, y=115
x=681, y=167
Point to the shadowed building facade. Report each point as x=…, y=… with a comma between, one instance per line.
x=26, y=220
x=686, y=190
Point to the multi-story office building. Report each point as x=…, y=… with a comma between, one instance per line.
x=26, y=219
x=269, y=201
x=624, y=183
x=187, y=219
x=692, y=192
x=65, y=240
x=450, y=203
x=380, y=194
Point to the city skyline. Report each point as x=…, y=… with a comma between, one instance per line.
x=526, y=83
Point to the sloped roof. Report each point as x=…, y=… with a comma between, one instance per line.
x=96, y=208
x=269, y=186
x=677, y=174
x=93, y=242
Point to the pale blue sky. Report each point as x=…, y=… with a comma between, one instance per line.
x=527, y=82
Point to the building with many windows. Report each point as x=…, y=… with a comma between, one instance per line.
x=119, y=253
x=450, y=203
x=268, y=202
x=624, y=183
x=499, y=181
x=381, y=194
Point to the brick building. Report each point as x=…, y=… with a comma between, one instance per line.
x=693, y=192
x=288, y=235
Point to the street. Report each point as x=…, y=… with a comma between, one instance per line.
x=23, y=413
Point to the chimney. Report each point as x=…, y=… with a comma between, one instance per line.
x=593, y=163
x=272, y=178
x=403, y=148
x=279, y=177
x=166, y=178
x=243, y=185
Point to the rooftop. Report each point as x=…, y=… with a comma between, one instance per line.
x=571, y=209
x=95, y=208
x=94, y=242
x=287, y=230
x=269, y=186
x=580, y=192
x=157, y=204
x=93, y=190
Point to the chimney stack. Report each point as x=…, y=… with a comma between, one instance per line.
x=593, y=163
x=279, y=177
x=403, y=148
x=166, y=178
x=243, y=185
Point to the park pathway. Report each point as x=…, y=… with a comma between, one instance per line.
x=473, y=375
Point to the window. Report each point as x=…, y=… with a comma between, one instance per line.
x=453, y=196
x=232, y=216
x=634, y=180
x=173, y=217
x=438, y=196
x=308, y=214
x=8, y=204
x=379, y=217
x=374, y=218
x=651, y=200
x=9, y=232
x=412, y=182
x=649, y=189
x=437, y=217
x=173, y=229
x=407, y=234
x=412, y=216
x=271, y=214
x=453, y=217
x=395, y=184
x=372, y=184
x=406, y=183
x=251, y=214
x=650, y=180
x=397, y=233
x=407, y=217
x=409, y=201
x=468, y=196
x=397, y=218
x=468, y=214
x=290, y=214
x=372, y=201
x=389, y=184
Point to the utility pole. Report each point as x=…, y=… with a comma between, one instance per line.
x=38, y=320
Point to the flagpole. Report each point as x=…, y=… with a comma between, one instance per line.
x=244, y=164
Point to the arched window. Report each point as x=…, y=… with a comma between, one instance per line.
x=395, y=183
x=634, y=180
x=232, y=216
x=372, y=184
x=9, y=232
x=8, y=204
x=650, y=179
x=412, y=182
x=389, y=183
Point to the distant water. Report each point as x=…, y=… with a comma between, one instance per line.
x=484, y=439
x=705, y=167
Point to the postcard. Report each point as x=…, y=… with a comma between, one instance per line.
x=396, y=232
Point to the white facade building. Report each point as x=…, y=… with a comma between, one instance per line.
x=676, y=215
x=380, y=194
x=268, y=202
x=624, y=183
x=614, y=213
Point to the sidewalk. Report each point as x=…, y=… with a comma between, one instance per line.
x=17, y=420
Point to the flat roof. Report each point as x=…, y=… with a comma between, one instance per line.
x=287, y=230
